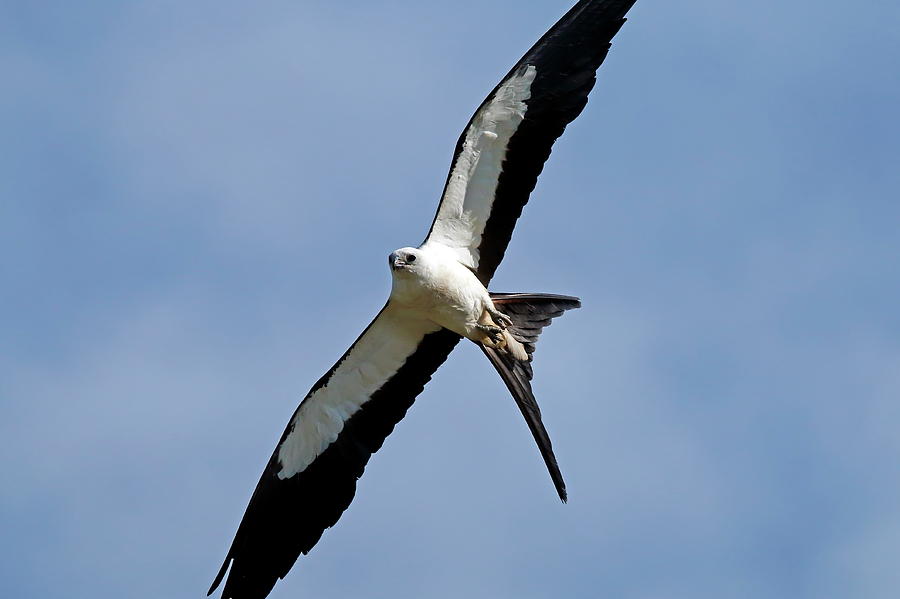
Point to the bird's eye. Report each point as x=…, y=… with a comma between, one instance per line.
x=411, y=258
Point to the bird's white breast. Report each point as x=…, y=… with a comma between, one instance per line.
x=442, y=290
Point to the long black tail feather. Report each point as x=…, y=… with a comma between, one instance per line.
x=530, y=313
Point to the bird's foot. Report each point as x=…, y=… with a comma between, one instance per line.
x=495, y=334
x=503, y=321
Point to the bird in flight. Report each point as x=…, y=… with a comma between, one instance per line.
x=438, y=296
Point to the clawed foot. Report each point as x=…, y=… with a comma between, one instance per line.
x=500, y=318
x=494, y=333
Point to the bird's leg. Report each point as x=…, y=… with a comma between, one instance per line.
x=499, y=317
x=494, y=333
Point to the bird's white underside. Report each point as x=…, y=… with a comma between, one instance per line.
x=394, y=335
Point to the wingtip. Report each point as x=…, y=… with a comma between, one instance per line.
x=219, y=577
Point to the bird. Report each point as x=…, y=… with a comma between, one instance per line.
x=439, y=296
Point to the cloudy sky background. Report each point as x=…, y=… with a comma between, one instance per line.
x=196, y=202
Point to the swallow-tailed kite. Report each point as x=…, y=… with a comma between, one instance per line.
x=438, y=296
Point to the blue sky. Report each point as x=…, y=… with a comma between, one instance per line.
x=196, y=202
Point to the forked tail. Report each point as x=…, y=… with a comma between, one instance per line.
x=530, y=313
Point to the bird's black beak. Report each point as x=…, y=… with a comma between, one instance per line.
x=395, y=261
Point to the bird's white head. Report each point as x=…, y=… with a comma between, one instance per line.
x=409, y=274
x=405, y=262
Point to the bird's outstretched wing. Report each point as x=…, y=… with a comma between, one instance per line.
x=311, y=477
x=502, y=150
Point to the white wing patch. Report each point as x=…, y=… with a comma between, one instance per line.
x=374, y=359
x=469, y=196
